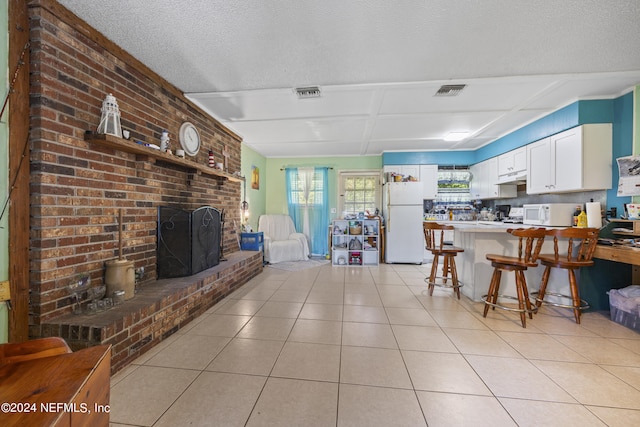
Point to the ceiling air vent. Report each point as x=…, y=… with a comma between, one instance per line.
x=449, y=90
x=307, y=92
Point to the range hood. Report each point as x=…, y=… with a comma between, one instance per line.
x=515, y=178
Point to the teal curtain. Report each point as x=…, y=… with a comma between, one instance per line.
x=308, y=203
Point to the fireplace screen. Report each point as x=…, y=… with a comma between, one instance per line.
x=188, y=242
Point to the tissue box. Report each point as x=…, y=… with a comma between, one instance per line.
x=625, y=306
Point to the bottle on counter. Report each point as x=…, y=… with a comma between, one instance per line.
x=582, y=219
x=576, y=214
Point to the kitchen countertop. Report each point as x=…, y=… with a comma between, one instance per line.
x=478, y=238
x=480, y=226
x=484, y=226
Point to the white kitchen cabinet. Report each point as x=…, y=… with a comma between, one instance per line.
x=540, y=170
x=484, y=182
x=578, y=159
x=405, y=170
x=512, y=164
x=429, y=179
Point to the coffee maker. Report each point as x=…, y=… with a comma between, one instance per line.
x=502, y=212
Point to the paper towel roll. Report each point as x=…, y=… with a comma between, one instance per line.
x=594, y=215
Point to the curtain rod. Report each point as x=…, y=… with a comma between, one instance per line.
x=305, y=166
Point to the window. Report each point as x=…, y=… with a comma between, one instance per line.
x=360, y=192
x=306, y=188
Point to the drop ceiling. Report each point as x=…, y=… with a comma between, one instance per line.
x=378, y=65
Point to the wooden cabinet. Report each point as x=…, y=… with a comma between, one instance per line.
x=355, y=242
x=578, y=159
x=55, y=389
x=429, y=179
x=512, y=164
x=626, y=227
x=484, y=182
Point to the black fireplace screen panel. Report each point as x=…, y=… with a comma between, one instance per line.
x=188, y=242
x=205, y=238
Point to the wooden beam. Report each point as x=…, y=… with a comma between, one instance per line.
x=19, y=171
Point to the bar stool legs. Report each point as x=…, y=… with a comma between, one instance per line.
x=434, y=238
x=578, y=304
x=449, y=266
x=529, y=244
x=524, y=303
x=581, y=244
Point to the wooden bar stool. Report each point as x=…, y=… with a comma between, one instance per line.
x=529, y=244
x=581, y=240
x=434, y=238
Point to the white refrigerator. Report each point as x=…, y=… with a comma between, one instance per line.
x=402, y=210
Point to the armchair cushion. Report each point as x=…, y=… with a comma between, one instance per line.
x=281, y=241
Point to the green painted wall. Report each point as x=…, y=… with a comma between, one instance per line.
x=255, y=197
x=4, y=166
x=277, y=200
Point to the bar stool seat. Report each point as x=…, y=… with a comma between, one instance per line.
x=434, y=238
x=529, y=244
x=582, y=240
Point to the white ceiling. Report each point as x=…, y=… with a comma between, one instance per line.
x=378, y=64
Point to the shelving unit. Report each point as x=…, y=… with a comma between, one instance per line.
x=632, y=227
x=355, y=242
x=139, y=149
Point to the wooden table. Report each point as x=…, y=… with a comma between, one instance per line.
x=69, y=389
x=624, y=254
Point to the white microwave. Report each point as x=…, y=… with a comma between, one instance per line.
x=549, y=214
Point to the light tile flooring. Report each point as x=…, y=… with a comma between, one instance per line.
x=339, y=346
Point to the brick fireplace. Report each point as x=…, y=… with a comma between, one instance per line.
x=78, y=186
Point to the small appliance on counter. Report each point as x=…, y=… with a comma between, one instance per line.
x=502, y=212
x=515, y=216
x=549, y=214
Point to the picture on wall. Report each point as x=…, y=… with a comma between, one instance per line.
x=255, y=178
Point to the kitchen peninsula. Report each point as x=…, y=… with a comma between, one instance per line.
x=474, y=271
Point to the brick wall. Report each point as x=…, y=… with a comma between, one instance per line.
x=78, y=187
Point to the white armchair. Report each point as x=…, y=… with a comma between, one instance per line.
x=281, y=241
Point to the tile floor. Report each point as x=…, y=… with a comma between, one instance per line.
x=339, y=346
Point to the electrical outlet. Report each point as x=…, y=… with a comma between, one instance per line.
x=333, y=210
x=4, y=291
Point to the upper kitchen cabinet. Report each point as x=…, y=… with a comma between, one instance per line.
x=578, y=159
x=429, y=179
x=405, y=170
x=484, y=182
x=512, y=166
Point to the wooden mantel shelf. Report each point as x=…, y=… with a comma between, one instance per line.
x=131, y=147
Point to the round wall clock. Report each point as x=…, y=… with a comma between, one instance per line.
x=189, y=138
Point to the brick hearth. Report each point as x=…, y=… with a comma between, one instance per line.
x=158, y=310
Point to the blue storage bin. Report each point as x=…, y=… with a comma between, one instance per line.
x=252, y=241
